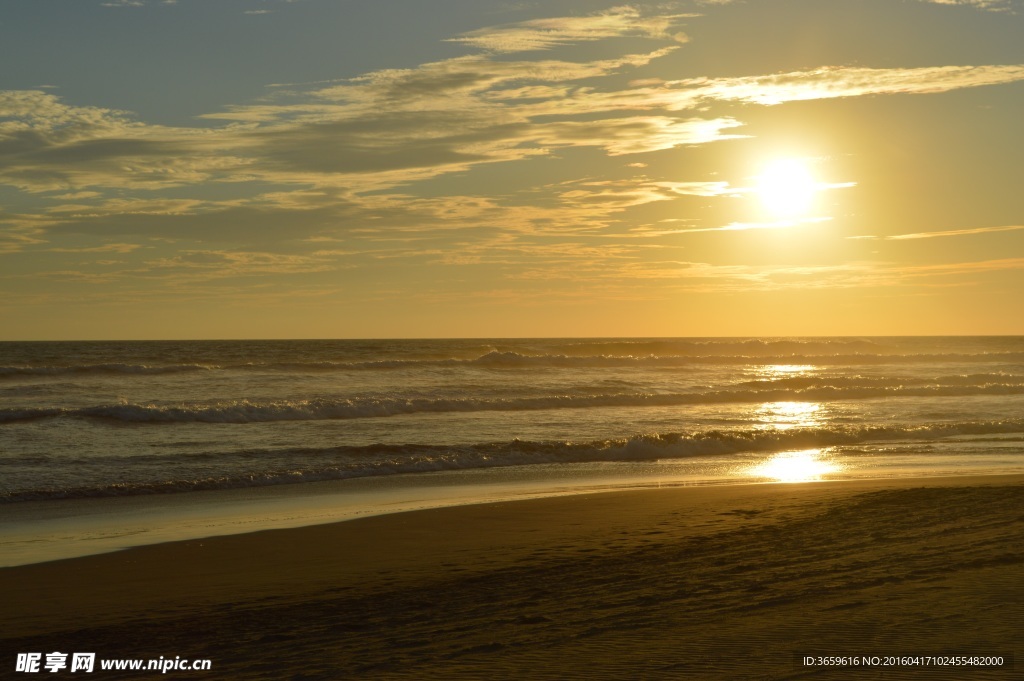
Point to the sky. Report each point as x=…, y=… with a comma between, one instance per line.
x=491, y=168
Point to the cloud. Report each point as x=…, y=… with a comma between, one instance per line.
x=408, y=124
x=544, y=34
x=696, y=94
x=46, y=145
x=933, y=235
x=453, y=114
x=990, y=5
x=297, y=220
x=340, y=162
x=14, y=242
x=651, y=231
x=220, y=264
x=709, y=277
x=635, y=134
x=211, y=223
x=395, y=127
x=833, y=82
x=31, y=110
x=449, y=83
x=189, y=275
x=960, y=268
x=107, y=248
x=135, y=3
x=613, y=196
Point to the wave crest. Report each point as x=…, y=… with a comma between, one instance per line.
x=251, y=411
x=338, y=463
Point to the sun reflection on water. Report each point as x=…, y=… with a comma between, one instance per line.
x=780, y=370
x=808, y=465
x=789, y=414
x=786, y=415
x=793, y=466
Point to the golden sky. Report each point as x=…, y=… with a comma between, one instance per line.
x=319, y=168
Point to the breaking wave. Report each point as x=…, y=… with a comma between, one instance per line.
x=344, y=462
x=507, y=359
x=115, y=368
x=317, y=409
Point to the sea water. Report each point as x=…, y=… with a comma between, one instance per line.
x=85, y=420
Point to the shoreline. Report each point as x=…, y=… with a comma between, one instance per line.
x=552, y=582
x=40, y=531
x=45, y=530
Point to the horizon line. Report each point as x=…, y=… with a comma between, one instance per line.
x=504, y=338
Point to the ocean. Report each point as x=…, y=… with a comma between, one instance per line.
x=95, y=420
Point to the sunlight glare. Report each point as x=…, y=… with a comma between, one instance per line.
x=773, y=371
x=788, y=415
x=803, y=466
x=786, y=188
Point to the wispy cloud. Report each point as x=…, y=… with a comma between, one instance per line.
x=633, y=135
x=708, y=277
x=833, y=82
x=51, y=146
x=543, y=34
x=933, y=235
x=136, y=3
x=990, y=5
x=107, y=248
x=219, y=264
x=731, y=227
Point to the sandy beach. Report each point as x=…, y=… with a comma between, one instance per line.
x=695, y=582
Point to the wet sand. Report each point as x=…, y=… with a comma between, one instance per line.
x=697, y=582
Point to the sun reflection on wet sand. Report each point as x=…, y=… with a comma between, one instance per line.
x=807, y=465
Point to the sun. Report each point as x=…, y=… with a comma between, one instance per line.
x=787, y=188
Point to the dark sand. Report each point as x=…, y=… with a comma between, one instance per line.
x=715, y=582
